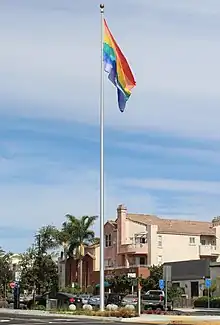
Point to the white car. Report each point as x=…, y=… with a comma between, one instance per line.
x=85, y=299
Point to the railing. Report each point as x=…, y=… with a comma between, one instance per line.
x=134, y=248
x=208, y=250
x=126, y=267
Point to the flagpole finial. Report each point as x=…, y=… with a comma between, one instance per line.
x=102, y=7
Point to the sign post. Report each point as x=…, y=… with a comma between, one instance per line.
x=139, y=298
x=161, y=284
x=167, y=277
x=16, y=296
x=208, y=283
x=133, y=277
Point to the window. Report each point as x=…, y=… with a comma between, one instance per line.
x=192, y=240
x=142, y=260
x=160, y=241
x=142, y=240
x=202, y=241
x=106, y=263
x=160, y=259
x=108, y=240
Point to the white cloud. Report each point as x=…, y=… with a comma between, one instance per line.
x=175, y=185
x=50, y=66
x=26, y=204
x=209, y=156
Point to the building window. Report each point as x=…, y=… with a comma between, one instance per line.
x=192, y=240
x=142, y=260
x=108, y=240
x=159, y=259
x=203, y=242
x=160, y=241
x=142, y=240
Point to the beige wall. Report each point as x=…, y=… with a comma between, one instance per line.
x=174, y=247
x=96, y=264
x=134, y=228
x=178, y=248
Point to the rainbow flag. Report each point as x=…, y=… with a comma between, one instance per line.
x=117, y=67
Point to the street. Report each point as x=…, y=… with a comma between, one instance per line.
x=41, y=320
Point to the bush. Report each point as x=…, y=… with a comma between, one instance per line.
x=3, y=303
x=38, y=307
x=202, y=302
x=121, y=312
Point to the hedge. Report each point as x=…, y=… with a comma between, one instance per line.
x=202, y=302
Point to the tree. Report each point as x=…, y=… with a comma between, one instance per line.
x=78, y=234
x=38, y=270
x=6, y=272
x=120, y=283
x=96, y=241
x=152, y=282
x=49, y=238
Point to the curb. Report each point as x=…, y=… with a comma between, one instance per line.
x=173, y=321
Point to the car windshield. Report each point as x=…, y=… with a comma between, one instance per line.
x=155, y=292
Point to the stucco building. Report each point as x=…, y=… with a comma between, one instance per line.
x=134, y=240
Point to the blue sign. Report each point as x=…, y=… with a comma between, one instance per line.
x=208, y=283
x=161, y=284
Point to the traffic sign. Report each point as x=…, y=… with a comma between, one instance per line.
x=132, y=275
x=161, y=284
x=12, y=285
x=208, y=283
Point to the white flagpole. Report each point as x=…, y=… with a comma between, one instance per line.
x=102, y=269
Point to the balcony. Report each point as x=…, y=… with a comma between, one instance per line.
x=130, y=266
x=133, y=249
x=208, y=250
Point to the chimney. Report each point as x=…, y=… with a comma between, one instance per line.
x=122, y=224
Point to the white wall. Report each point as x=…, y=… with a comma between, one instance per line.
x=178, y=248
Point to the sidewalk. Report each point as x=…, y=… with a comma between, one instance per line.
x=170, y=319
x=143, y=319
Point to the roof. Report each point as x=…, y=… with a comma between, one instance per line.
x=174, y=226
x=112, y=223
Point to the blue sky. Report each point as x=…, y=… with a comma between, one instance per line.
x=162, y=154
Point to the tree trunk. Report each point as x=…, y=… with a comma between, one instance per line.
x=80, y=273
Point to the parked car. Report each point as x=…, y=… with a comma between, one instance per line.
x=155, y=299
x=85, y=298
x=94, y=301
x=114, y=298
x=129, y=300
x=63, y=300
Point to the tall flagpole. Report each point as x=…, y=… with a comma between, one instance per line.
x=102, y=270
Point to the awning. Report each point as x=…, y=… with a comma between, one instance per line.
x=106, y=285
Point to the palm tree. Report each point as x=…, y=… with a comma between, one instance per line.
x=78, y=234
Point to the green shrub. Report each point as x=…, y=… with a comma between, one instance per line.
x=38, y=307
x=215, y=302
x=202, y=302
x=121, y=312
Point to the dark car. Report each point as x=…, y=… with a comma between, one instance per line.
x=155, y=299
x=63, y=300
x=94, y=301
x=114, y=298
